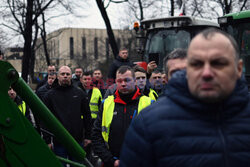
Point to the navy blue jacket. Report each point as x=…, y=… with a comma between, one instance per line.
x=180, y=131
x=118, y=62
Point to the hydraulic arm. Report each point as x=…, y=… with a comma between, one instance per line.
x=20, y=144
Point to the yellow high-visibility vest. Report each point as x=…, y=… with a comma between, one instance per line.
x=93, y=104
x=152, y=94
x=108, y=110
x=22, y=107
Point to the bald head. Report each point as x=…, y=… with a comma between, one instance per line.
x=64, y=76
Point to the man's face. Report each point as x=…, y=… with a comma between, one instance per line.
x=51, y=79
x=123, y=54
x=64, y=76
x=51, y=69
x=140, y=79
x=86, y=80
x=164, y=78
x=97, y=75
x=175, y=65
x=211, y=68
x=12, y=93
x=156, y=80
x=125, y=82
x=78, y=72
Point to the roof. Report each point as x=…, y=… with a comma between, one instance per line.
x=177, y=21
x=239, y=15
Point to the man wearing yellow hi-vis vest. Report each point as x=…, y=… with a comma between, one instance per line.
x=116, y=113
x=20, y=103
x=93, y=93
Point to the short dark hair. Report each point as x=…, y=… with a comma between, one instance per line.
x=123, y=49
x=210, y=32
x=86, y=73
x=178, y=53
x=156, y=72
x=97, y=69
x=124, y=69
x=78, y=68
x=138, y=68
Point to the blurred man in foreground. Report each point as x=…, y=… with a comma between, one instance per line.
x=204, y=117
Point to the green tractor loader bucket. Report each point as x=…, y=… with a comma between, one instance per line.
x=20, y=144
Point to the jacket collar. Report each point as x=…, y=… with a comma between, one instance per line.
x=119, y=100
x=177, y=90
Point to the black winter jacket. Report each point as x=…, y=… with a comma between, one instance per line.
x=118, y=62
x=68, y=104
x=180, y=131
x=123, y=114
x=43, y=90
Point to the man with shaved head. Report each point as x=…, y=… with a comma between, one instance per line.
x=69, y=104
x=204, y=118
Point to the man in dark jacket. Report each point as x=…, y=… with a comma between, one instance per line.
x=69, y=104
x=98, y=80
x=115, y=116
x=141, y=80
x=50, y=69
x=121, y=60
x=204, y=118
x=77, y=76
x=45, y=88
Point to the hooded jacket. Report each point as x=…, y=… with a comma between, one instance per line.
x=181, y=131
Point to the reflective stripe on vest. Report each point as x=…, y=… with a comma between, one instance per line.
x=108, y=110
x=22, y=107
x=152, y=94
x=93, y=104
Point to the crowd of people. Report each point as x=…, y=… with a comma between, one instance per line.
x=196, y=112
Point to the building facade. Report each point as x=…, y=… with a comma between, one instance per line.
x=87, y=48
x=14, y=55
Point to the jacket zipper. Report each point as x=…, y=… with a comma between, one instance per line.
x=222, y=138
x=124, y=118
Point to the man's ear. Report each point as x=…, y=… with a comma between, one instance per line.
x=239, y=68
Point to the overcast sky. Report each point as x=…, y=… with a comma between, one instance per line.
x=90, y=18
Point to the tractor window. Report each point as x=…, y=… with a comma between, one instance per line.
x=165, y=41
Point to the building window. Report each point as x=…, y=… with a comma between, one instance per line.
x=96, y=47
x=71, y=47
x=84, y=56
x=107, y=48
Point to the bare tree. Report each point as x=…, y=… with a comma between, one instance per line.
x=105, y=17
x=214, y=8
x=3, y=41
x=26, y=14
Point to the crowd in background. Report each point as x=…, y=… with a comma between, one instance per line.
x=179, y=117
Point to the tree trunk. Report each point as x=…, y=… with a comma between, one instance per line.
x=28, y=40
x=44, y=38
x=141, y=9
x=110, y=33
x=172, y=8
